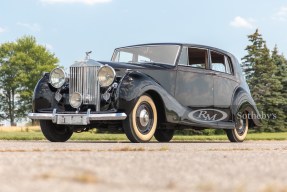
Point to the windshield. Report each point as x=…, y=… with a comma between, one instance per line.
x=165, y=54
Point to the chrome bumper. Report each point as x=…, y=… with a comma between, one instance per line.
x=76, y=119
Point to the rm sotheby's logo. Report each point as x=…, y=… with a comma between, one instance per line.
x=207, y=115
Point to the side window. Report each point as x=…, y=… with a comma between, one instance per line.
x=183, y=59
x=229, y=69
x=197, y=57
x=220, y=62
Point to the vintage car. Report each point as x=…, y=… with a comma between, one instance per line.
x=147, y=90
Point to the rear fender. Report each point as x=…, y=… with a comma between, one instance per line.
x=242, y=101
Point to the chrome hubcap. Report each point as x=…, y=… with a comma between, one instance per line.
x=240, y=124
x=144, y=117
x=241, y=127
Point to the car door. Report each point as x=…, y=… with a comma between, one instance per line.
x=194, y=84
x=224, y=81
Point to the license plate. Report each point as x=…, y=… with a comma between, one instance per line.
x=71, y=120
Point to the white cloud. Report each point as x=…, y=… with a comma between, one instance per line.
x=33, y=27
x=87, y=2
x=2, y=29
x=49, y=46
x=240, y=22
x=281, y=14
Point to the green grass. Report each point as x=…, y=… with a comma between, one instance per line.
x=37, y=135
x=267, y=136
x=18, y=135
x=250, y=136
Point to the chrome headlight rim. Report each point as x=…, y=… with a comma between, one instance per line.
x=79, y=102
x=62, y=83
x=113, y=74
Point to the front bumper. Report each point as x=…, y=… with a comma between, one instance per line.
x=76, y=118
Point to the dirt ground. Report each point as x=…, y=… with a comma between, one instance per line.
x=107, y=166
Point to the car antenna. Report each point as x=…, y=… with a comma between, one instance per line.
x=88, y=54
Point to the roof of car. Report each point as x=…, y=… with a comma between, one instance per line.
x=182, y=44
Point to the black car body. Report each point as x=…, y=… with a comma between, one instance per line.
x=147, y=90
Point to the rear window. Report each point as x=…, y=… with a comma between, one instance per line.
x=220, y=63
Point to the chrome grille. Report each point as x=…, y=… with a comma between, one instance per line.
x=83, y=79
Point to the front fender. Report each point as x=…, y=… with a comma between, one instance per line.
x=135, y=84
x=44, y=96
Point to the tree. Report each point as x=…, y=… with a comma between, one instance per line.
x=254, y=53
x=266, y=88
x=281, y=74
x=271, y=99
x=21, y=65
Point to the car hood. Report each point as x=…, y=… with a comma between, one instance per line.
x=121, y=68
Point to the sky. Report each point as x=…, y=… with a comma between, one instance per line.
x=69, y=28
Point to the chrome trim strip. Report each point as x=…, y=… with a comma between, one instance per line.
x=109, y=116
x=98, y=99
x=90, y=117
x=43, y=116
x=54, y=117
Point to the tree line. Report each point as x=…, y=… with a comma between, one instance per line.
x=266, y=75
x=21, y=66
x=22, y=63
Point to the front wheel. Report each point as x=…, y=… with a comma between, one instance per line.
x=240, y=132
x=141, y=123
x=54, y=132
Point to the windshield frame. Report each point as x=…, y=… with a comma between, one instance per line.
x=149, y=45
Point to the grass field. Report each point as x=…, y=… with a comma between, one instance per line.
x=33, y=133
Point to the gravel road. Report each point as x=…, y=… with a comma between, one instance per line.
x=94, y=166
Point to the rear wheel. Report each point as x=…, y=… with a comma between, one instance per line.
x=54, y=132
x=141, y=123
x=163, y=135
x=240, y=132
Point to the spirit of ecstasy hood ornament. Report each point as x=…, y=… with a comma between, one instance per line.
x=88, y=54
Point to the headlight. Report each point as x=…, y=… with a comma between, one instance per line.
x=106, y=76
x=57, y=77
x=75, y=100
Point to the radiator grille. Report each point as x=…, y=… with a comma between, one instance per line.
x=83, y=79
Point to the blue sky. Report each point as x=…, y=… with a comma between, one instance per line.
x=70, y=27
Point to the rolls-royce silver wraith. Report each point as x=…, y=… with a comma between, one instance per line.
x=147, y=90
